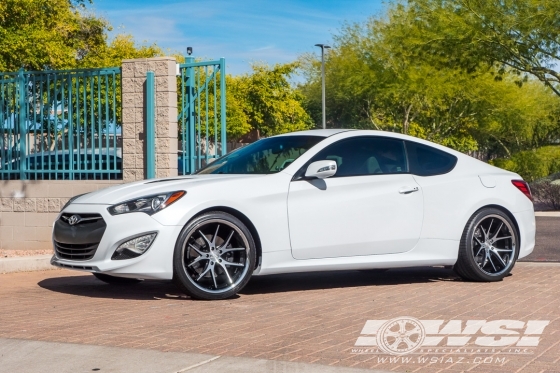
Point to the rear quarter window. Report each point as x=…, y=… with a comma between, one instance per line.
x=427, y=161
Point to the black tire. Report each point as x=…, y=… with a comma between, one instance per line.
x=208, y=265
x=481, y=258
x=114, y=280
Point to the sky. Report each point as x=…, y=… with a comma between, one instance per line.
x=242, y=31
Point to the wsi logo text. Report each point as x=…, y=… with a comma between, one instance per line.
x=404, y=335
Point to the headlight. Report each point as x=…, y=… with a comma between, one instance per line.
x=71, y=200
x=149, y=204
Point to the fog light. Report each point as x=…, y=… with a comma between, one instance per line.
x=134, y=247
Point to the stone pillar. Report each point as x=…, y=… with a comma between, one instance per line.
x=134, y=117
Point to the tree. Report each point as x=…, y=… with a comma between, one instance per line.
x=265, y=102
x=260, y=103
x=38, y=34
x=518, y=35
x=374, y=80
x=60, y=34
x=120, y=48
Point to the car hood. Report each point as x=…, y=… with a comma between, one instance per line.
x=125, y=192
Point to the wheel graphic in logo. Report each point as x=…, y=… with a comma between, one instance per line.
x=401, y=336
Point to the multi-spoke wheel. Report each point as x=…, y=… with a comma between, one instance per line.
x=489, y=246
x=214, y=256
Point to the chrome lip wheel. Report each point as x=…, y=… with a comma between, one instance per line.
x=494, y=246
x=215, y=256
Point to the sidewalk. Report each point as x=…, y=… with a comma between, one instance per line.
x=550, y=214
x=21, y=356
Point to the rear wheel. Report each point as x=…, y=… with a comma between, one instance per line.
x=214, y=256
x=113, y=280
x=489, y=246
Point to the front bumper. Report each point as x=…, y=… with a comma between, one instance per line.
x=155, y=263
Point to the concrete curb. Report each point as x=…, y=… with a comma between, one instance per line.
x=550, y=214
x=26, y=264
x=537, y=264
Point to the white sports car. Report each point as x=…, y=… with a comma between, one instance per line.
x=316, y=200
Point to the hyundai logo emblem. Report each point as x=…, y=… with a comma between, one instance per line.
x=74, y=219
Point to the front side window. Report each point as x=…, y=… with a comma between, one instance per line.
x=266, y=156
x=427, y=161
x=366, y=156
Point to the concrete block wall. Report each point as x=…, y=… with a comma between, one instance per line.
x=28, y=210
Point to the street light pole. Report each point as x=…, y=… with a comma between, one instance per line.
x=323, y=47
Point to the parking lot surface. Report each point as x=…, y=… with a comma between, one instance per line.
x=310, y=318
x=547, y=248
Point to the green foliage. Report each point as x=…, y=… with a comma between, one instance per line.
x=60, y=34
x=38, y=34
x=532, y=164
x=120, y=48
x=265, y=102
x=377, y=77
x=237, y=109
x=523, y=35
x=262, y=102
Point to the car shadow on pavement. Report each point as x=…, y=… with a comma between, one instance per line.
x=89, y=286
x=343, y=279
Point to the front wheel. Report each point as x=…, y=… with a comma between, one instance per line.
x=489, y=246
x=214, y=256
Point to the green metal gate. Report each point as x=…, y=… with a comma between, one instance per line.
x=202, y=116
x=60, y=124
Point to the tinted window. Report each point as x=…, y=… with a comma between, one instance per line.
x=265, y=156
x=366, y=156
x=427, y=161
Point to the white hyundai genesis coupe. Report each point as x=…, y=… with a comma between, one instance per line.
x=317, y=200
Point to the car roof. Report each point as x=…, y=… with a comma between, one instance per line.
x=318, y=132
x=358, y=132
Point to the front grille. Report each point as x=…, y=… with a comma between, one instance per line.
x=77, y=236
x=75, y=251
x=81, y=218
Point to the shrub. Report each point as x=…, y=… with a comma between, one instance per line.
x=547, y=191
x=532, y=164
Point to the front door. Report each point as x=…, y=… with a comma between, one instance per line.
x=371, y=206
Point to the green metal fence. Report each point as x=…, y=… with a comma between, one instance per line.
x=202, y=116
x=60, y=124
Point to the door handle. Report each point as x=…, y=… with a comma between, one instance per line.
x=408, y=190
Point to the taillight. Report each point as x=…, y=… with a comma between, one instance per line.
x=523, y=187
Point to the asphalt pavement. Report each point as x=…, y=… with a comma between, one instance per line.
x=547, y=248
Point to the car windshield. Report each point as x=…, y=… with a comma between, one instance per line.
x=266, y=156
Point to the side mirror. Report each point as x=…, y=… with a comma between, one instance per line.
x=321, y=169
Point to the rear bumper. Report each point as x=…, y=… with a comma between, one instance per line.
x=527, y=231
